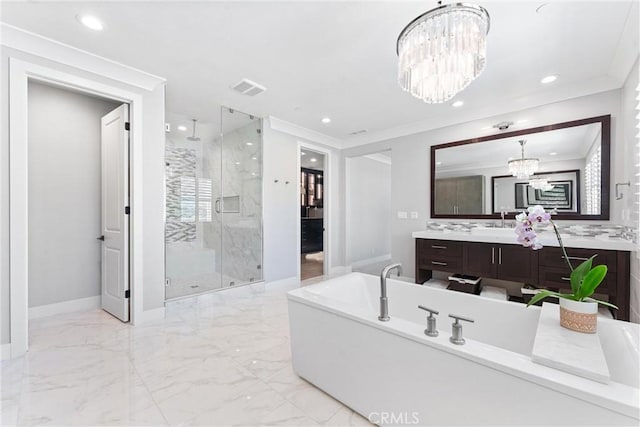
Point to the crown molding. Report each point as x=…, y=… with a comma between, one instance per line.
x=490, y=111
x=379, y=158
x=304, y=133
x=44, y=47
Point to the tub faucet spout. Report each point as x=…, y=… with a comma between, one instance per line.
x=384, y=303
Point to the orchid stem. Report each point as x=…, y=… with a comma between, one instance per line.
x=564, y=252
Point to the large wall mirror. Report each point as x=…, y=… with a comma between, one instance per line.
x=565, y=169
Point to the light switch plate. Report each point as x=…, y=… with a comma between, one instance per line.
x=402, y=215
x=414, y=215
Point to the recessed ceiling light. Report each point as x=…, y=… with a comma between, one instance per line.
x=237, y=163
x=457, y=104
x=313, y=159
x=182, y=128
x=553, y=154
x=249, y=143
x=91, y=22
x=326, y=120
x=254, y=158
x=253, y=173
x=438, y=163
x=549, y=79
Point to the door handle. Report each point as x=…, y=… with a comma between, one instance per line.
x=217, y=205
x=100, y=238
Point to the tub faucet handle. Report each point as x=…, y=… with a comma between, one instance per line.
x=456, y=332
x=431, y=330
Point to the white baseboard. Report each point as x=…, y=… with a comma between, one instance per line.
x=340, y=269
x=81, y=304
x=5, y=351
x=150, y=316
x=363, y=262
x=283, y=282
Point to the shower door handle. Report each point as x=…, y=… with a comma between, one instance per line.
x=217, y=205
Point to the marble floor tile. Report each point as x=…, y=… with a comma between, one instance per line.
x=346, y=417
x=218, y=359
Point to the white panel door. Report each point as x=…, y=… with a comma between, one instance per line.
x=115, y=220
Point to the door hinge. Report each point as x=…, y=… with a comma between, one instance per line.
x=127, y=126
x=127, y=293
x=127, y=210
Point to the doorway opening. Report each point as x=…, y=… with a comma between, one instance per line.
x=78, y=179
x=312, y=217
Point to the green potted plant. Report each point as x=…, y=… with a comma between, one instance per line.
x=578, y=310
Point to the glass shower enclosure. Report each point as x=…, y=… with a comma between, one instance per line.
x=213, y=203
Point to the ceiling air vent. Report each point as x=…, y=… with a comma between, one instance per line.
x=247, y=87
x=358, y=132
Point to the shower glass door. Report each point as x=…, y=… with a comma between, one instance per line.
x=241, y=198
x=213, y=221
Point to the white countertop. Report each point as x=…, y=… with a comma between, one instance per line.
x=547, y=238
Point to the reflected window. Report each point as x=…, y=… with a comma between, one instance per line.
x=187, y=199
x=593, y=172
x=204, y=200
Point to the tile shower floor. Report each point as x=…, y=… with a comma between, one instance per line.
x=218, y=359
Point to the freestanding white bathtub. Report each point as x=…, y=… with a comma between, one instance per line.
x=393, y=374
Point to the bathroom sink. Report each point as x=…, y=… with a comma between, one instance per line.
x=493, y=231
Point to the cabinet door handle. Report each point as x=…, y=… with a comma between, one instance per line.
x=575, y=258
x=493, y=255
x=438, y=263
x=438, y=247
x=500, y=256
x=568, y=279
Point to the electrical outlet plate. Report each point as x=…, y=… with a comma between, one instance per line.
x=402, y=215
x=414, y=215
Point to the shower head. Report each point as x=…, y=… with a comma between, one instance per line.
x=193, y=137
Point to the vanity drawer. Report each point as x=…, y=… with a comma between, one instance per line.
x=553, y=257
x=441, y=263
x=441, y=248
x=559, y=278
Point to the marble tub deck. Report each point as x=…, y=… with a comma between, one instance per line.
x=218, y=359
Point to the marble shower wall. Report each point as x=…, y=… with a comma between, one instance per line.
x=239, y=157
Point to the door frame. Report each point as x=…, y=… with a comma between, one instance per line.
x=327, y=208
x=20, y=72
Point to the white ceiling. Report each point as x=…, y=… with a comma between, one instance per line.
x=338, y=59
x=311, y=160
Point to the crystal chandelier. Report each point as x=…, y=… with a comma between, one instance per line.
x=541, y=184
x=523, y=167
x=442, y=51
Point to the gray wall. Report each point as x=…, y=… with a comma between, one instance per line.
x=64, y=194
x=152, y=203
x=631, y=167
x=369, y=198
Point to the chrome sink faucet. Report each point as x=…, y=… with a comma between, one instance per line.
x=384, y=303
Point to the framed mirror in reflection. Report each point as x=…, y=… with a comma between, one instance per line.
x=563, y=167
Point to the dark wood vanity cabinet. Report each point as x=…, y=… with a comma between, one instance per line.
x=515, y=263
x=499, y=261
